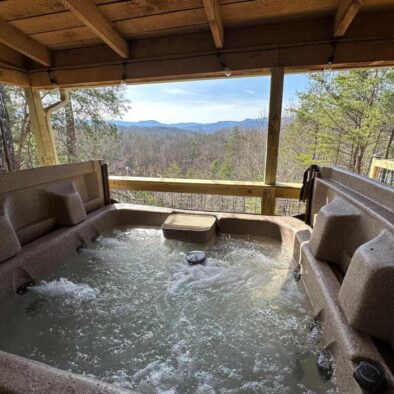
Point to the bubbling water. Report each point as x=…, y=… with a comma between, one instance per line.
x=131, y=311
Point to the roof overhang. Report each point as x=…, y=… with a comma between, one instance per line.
x=332, y=40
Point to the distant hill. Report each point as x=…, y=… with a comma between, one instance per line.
x=193, y=127
x=154, y=127
x=152, y=130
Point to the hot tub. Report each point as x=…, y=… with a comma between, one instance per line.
x=88, y=258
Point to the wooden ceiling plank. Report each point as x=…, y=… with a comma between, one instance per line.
x=15, y=39
x=212, y=9
x=133, y=19
x=21, y=9
x=297, y=46
x=376, y=25
x=141, y=14
x=91, y=16
x=346, y=12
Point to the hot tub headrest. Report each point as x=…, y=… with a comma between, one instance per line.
x=65, y=203
x=348, y=210
x=9, y=242
x=367, y=291
x=35, y=202
x=337, y=233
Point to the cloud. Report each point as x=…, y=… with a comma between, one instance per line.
x=202, y=101
x=176, y=90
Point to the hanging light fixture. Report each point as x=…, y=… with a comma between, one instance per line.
x=226, y=69
x=124, y=76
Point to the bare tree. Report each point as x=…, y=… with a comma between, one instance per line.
x=7, y=155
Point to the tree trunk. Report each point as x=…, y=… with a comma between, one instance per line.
x=388, y=146
x=23, y=138
x=359, y=160
x=71, y=143
x=7, y=156
x=386, y=154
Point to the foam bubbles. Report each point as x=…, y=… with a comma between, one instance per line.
x=130, y=311
x=63, y=287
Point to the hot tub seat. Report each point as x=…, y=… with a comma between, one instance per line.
x=353, y=227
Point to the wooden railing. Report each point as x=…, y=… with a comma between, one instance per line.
x=382, y=170
x=380, y=164
x=268, y=193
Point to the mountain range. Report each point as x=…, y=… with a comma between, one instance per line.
x=206, y=128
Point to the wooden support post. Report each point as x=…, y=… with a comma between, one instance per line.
x=373, y=170
x=42, y=129
x=274, y=118
x=268, y=202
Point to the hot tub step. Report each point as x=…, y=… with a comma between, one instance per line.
x=190, y=228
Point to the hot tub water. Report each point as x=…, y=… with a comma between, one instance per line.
x=131, y=311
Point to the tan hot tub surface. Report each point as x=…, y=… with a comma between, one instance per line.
x=346, y=261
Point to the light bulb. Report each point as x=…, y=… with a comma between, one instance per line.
x=227, y=71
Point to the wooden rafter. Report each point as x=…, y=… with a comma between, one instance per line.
x=92, y=17
x=15, y=39
x=212, y=9
x=345, y=14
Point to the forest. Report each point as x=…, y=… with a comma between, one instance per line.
x=340, y=118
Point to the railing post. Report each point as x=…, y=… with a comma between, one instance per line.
x=268, y=202
x=274, y=118
x=373, y=170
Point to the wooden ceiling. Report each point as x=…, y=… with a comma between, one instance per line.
x=103, y=41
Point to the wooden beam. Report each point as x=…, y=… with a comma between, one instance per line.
x=42, y=130
x=15, y=39
x=92, y=17
x=274, y=118
x=306, y=58
x=345, y=14
x=14, y=77
x=11, y=57
x=212, y=9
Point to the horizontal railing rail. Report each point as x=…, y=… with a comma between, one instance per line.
x=268, y=193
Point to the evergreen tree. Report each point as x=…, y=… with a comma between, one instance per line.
x=342, y=119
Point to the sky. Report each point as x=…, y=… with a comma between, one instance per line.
x=207, y=101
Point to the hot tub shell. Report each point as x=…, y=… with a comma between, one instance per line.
x=46, y=214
